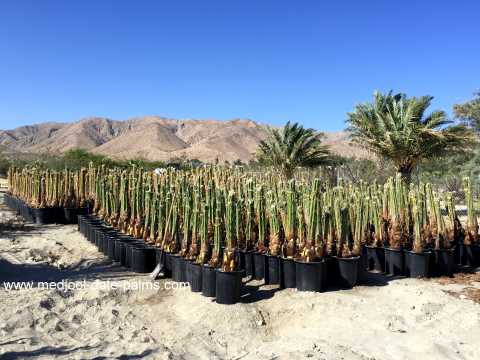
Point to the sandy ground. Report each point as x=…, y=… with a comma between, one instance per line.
x=387, y=319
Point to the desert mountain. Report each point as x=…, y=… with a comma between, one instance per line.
x=154, y=138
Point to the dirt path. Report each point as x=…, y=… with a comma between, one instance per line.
x=399, y=319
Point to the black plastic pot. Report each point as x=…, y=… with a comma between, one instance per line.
x=6, y=200
x=332, y=274
x=309, y=275
x=92, y=228
x=470, y=255
x=143, y=259
x=417, y=264
x=394, y=262
x=273, y=270
x=194, y=272
x=444, y=263
x=168, y=262
x=98, y=235
x=376, y=258
x=248, y=262
x=457, y=254
x=81, y=221
x=228, y=286
x=179, y=272
x=28, y=213
x=121, y=250
x=110, y=250
x=260, y=266
x=131, y=246
x=188, y=273
x=70, y=215
x=43, y=216
x=348, y=271
x=209, y=283
x=287, y=273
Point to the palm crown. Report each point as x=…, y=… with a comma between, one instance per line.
x=396, y=127
x=292, y=147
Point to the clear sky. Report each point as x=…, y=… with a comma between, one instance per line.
x=271, y=61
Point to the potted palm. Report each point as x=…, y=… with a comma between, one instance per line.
x=260, y=264
x=209, y=274
x=398, y=230
x=75, y=202
x=310, y=266
x=274, y=244
x=348, y=256
x=417, y=260
x=288, y=278
x=194, y=270
x=444, y=264
x=249, y=233
x=375, y=246
x=470, y=250
x=229, y=276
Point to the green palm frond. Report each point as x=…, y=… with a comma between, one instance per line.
x=292, y=147
x=397, y=128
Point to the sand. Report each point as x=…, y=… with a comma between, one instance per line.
x=387, y=319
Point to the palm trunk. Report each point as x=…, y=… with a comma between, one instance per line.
x=405, y=169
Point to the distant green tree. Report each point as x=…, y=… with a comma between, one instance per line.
x=469, y=112
x=398, y=129
x=292, y=147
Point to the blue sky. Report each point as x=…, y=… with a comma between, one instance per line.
x=271, y=61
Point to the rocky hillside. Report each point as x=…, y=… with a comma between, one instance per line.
x=153, y=138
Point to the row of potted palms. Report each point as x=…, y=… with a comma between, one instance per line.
x=212, y=225
x=47, y=196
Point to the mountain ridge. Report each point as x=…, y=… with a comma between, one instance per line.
x=155, y=138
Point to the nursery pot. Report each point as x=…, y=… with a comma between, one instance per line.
x=259, y=266
x=43, y=215
x=247, y=258
x=28, y=213
x=188, y=274
x=57, y=215
x=178, y=268
x=273, y=268
x=81, y=223
x=6, y=200
x=444, y=263
x=394, y=262
x=143, y=259
x=107, y=239
x=91, y=231
x=376, y=258
x=470, y=255
x=87, y=224
x=287, y=273
x=417, y=264
x=457, y=253
x=332, y=273
x=98, y=233
x=209, y=283
x=129, y=251
x=121, y=250
x=309, y=275
x=348, y=271
x=195, y=276
x=70, y=215
x=228, y=286
x=168, y=263
x=111, y=240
